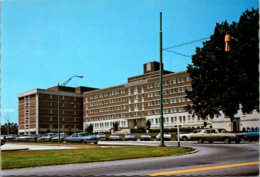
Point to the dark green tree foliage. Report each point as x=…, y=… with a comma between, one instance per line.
x=224, y=81
x=89, y=129
x=115, y=126
x=9, y=128
x=148, y=124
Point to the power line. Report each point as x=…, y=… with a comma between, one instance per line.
x=181, y=54
x=186, y=43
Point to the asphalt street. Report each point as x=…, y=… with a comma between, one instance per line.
x=211, y=159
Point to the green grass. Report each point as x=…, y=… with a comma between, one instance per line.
x=27, y=158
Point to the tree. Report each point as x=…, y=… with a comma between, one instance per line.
x=89, y=129
x=148, y=124
x=115, y=126
x=226, y=81
x=9, y=128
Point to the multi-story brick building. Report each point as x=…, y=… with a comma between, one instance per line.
x=130, y=104
x=133, y=103
x=38, y=110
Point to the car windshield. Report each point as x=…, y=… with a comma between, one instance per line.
x=144, y=134
x=195, y=131
x=129, y=135
x=84, y=134
x=222, y=131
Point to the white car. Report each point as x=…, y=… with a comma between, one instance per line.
x=101, y=136
x=166, y=136
x=186, y=136
x=218, y=134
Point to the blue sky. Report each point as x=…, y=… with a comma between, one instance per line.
x=44, y=42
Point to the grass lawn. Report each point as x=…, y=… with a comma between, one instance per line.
x=29, y=158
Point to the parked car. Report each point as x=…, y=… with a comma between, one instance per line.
x=26, y=138
x=2, y=139
x=10, y=137
x=167, y=136
x=186, y=136
x=115, y=137
x=46, y=137
x=145, y=137
x=252, y=135
x=212, y=135
x=130, y=136
x=82, y=137
x=55, y=138
x=101, y=136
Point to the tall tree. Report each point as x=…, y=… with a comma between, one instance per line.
x=225, y=81
x=9, y=128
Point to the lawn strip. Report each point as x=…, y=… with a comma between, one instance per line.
x=22, y=159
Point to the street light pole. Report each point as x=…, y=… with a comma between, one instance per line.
x=59, y=111
x=161, y=85
x=63, y=84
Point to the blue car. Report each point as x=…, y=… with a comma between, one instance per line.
x=252, y=135
x=82, y=137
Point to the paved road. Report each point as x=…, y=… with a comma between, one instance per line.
x=211, y=159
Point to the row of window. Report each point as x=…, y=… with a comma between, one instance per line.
x=63, y=119
x=149, y=95
x=115, y=100
x=149, y=86
x=167, y=101
x=176, y=119
x=108, y=117
x=169, y=82
x=108, y=109
x=62, y=112
x=63, y=104
x=168, y=110
x=170, y=91
x=109, y=124
x=106, y=94
x=62, y=97
x=149, y=104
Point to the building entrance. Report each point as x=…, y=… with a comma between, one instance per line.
x=236, y=124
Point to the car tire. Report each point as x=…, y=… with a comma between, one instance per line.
x=211, y=141
x=185, y=138
x=227, y=141
x=200, y=141
x=237, y=141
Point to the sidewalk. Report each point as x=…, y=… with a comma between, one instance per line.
x=15, y=147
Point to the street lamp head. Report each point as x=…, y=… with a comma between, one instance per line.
x=80, y=76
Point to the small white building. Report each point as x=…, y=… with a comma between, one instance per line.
x=241, y=122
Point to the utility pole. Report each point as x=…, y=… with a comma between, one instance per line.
x=161, y=85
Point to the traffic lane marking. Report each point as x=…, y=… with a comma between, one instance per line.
x=204, y=168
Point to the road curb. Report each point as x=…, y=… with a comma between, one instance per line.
x=17, y=149
x=187, y=153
